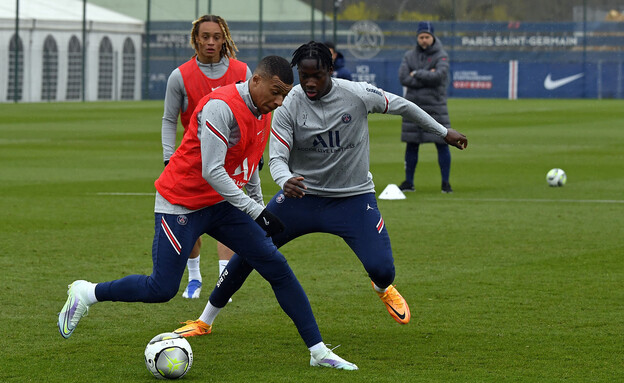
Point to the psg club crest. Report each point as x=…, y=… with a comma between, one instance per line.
x=182, y=220
x=280, y=198
x=346, y=118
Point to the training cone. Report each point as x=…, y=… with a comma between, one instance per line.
x=392, y=191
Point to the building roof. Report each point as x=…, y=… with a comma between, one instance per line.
x=230, y=10
x=63, y=10
x=66, y=15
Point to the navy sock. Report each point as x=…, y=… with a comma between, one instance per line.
x=444, y=160
x=411, y=159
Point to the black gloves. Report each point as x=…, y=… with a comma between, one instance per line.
x=166, y=163
x=261, y=163
x=270, y=223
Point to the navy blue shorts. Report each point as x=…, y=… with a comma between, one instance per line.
x=356, y=219
x=174, y=238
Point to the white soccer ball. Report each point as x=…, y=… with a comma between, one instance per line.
x=168, y=356
x=556, y=177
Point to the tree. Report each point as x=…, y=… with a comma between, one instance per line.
x=462, y=10
x=359, y=11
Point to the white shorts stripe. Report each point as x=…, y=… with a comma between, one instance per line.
x=380, y=225
x=172, y=239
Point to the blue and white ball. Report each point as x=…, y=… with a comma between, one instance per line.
x=556, y=177
x=168, y=356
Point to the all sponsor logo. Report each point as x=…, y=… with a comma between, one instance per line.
x=329, y=139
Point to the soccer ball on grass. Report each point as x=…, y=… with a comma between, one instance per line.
x=556, y=177
x=168, y=356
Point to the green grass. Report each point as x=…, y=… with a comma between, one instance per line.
x=508, y=280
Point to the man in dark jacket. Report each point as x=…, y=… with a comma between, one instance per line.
x=424, y=73
x=340, y=71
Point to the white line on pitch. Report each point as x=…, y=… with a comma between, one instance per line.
x=120, y=193
x=441, y=199
x=529, y=200
x=266, y=197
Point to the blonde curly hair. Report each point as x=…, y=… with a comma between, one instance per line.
x=229, y=48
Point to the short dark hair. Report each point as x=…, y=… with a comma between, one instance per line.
x=278, y=66
x=313, y=50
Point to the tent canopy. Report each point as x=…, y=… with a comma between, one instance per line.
x=230, y=10
x=65, y=11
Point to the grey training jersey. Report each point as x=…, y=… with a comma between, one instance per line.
x=326, y=141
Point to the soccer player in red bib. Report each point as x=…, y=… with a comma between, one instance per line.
x=213, y=66
x=199, y=192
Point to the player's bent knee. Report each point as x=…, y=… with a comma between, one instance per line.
x=162, y=295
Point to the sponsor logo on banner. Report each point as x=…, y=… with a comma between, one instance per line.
x=551, y=84
x=533, y=41
x=471, y=79
x=363, y=73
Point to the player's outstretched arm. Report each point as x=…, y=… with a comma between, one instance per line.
x=294, y=188
x=458, y=140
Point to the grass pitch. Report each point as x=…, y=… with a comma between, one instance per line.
x=508, y=280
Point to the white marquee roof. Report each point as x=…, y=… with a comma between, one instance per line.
x=63, y=14
x=231, y=10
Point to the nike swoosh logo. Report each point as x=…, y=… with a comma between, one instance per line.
x=216, y=87
x=265, y=221
x=402, y=316
x=66, y=330
x=551, y=84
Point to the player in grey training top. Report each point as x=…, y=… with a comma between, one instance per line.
x=326, y=139
x=319, y=153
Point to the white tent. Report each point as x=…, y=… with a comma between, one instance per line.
x=230, y=10
x=49, y=59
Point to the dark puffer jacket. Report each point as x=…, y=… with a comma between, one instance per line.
x=426, y=89
x=339, y=68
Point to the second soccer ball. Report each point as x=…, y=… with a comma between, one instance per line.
x=556, y=177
